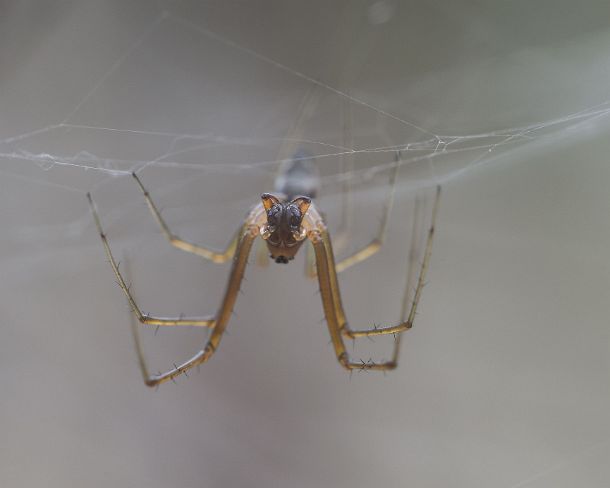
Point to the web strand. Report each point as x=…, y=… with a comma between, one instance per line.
x=475, y=149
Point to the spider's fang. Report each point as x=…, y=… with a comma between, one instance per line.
x=300, y=234
x=266, y=231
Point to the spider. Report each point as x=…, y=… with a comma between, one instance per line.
x=284, y=220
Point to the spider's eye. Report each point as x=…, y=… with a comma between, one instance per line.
x=295, y=217
x=272, y=216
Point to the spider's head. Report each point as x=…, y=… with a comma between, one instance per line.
x=283, y=231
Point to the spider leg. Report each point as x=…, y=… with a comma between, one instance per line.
x=408, y=322
x=262, y=254
x=143, y=318
x=341, y=237
x=375, y=245
x=136, y=339
x=411, y=260
x=240, y=262
x=216, y=257
x=372, y=247
x=333, y=308
x=310, y=262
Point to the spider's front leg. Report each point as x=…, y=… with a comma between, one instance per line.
x=374, y=246
x=218, y=323
x=174, y=240
x=240, y=261
x=331, y=296
x=331, y=302
x=142, y=317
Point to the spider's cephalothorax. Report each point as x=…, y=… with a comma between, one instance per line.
x=283, y=231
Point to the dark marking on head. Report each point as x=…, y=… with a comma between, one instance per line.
x=283, y=230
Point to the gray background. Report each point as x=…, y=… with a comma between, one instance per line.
x=503, y=382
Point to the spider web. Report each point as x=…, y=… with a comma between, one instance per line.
x=207, y=114
x=225, y=110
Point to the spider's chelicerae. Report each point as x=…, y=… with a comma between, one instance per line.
x=284, y=220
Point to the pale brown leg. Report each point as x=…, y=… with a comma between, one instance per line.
x=222, y=317
x=372, y=247
x=143, y=318
x=310, y=262
x=375, y=245
x=216, y=257
x=217, y=323
x=411, y=260
x=333, y=308
x=262, y=254
x=136, y=337
x=341, y=236
x=408, y=322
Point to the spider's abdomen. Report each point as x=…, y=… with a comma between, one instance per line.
x=299, y=176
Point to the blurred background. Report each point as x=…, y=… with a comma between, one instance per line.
x=503, y=381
